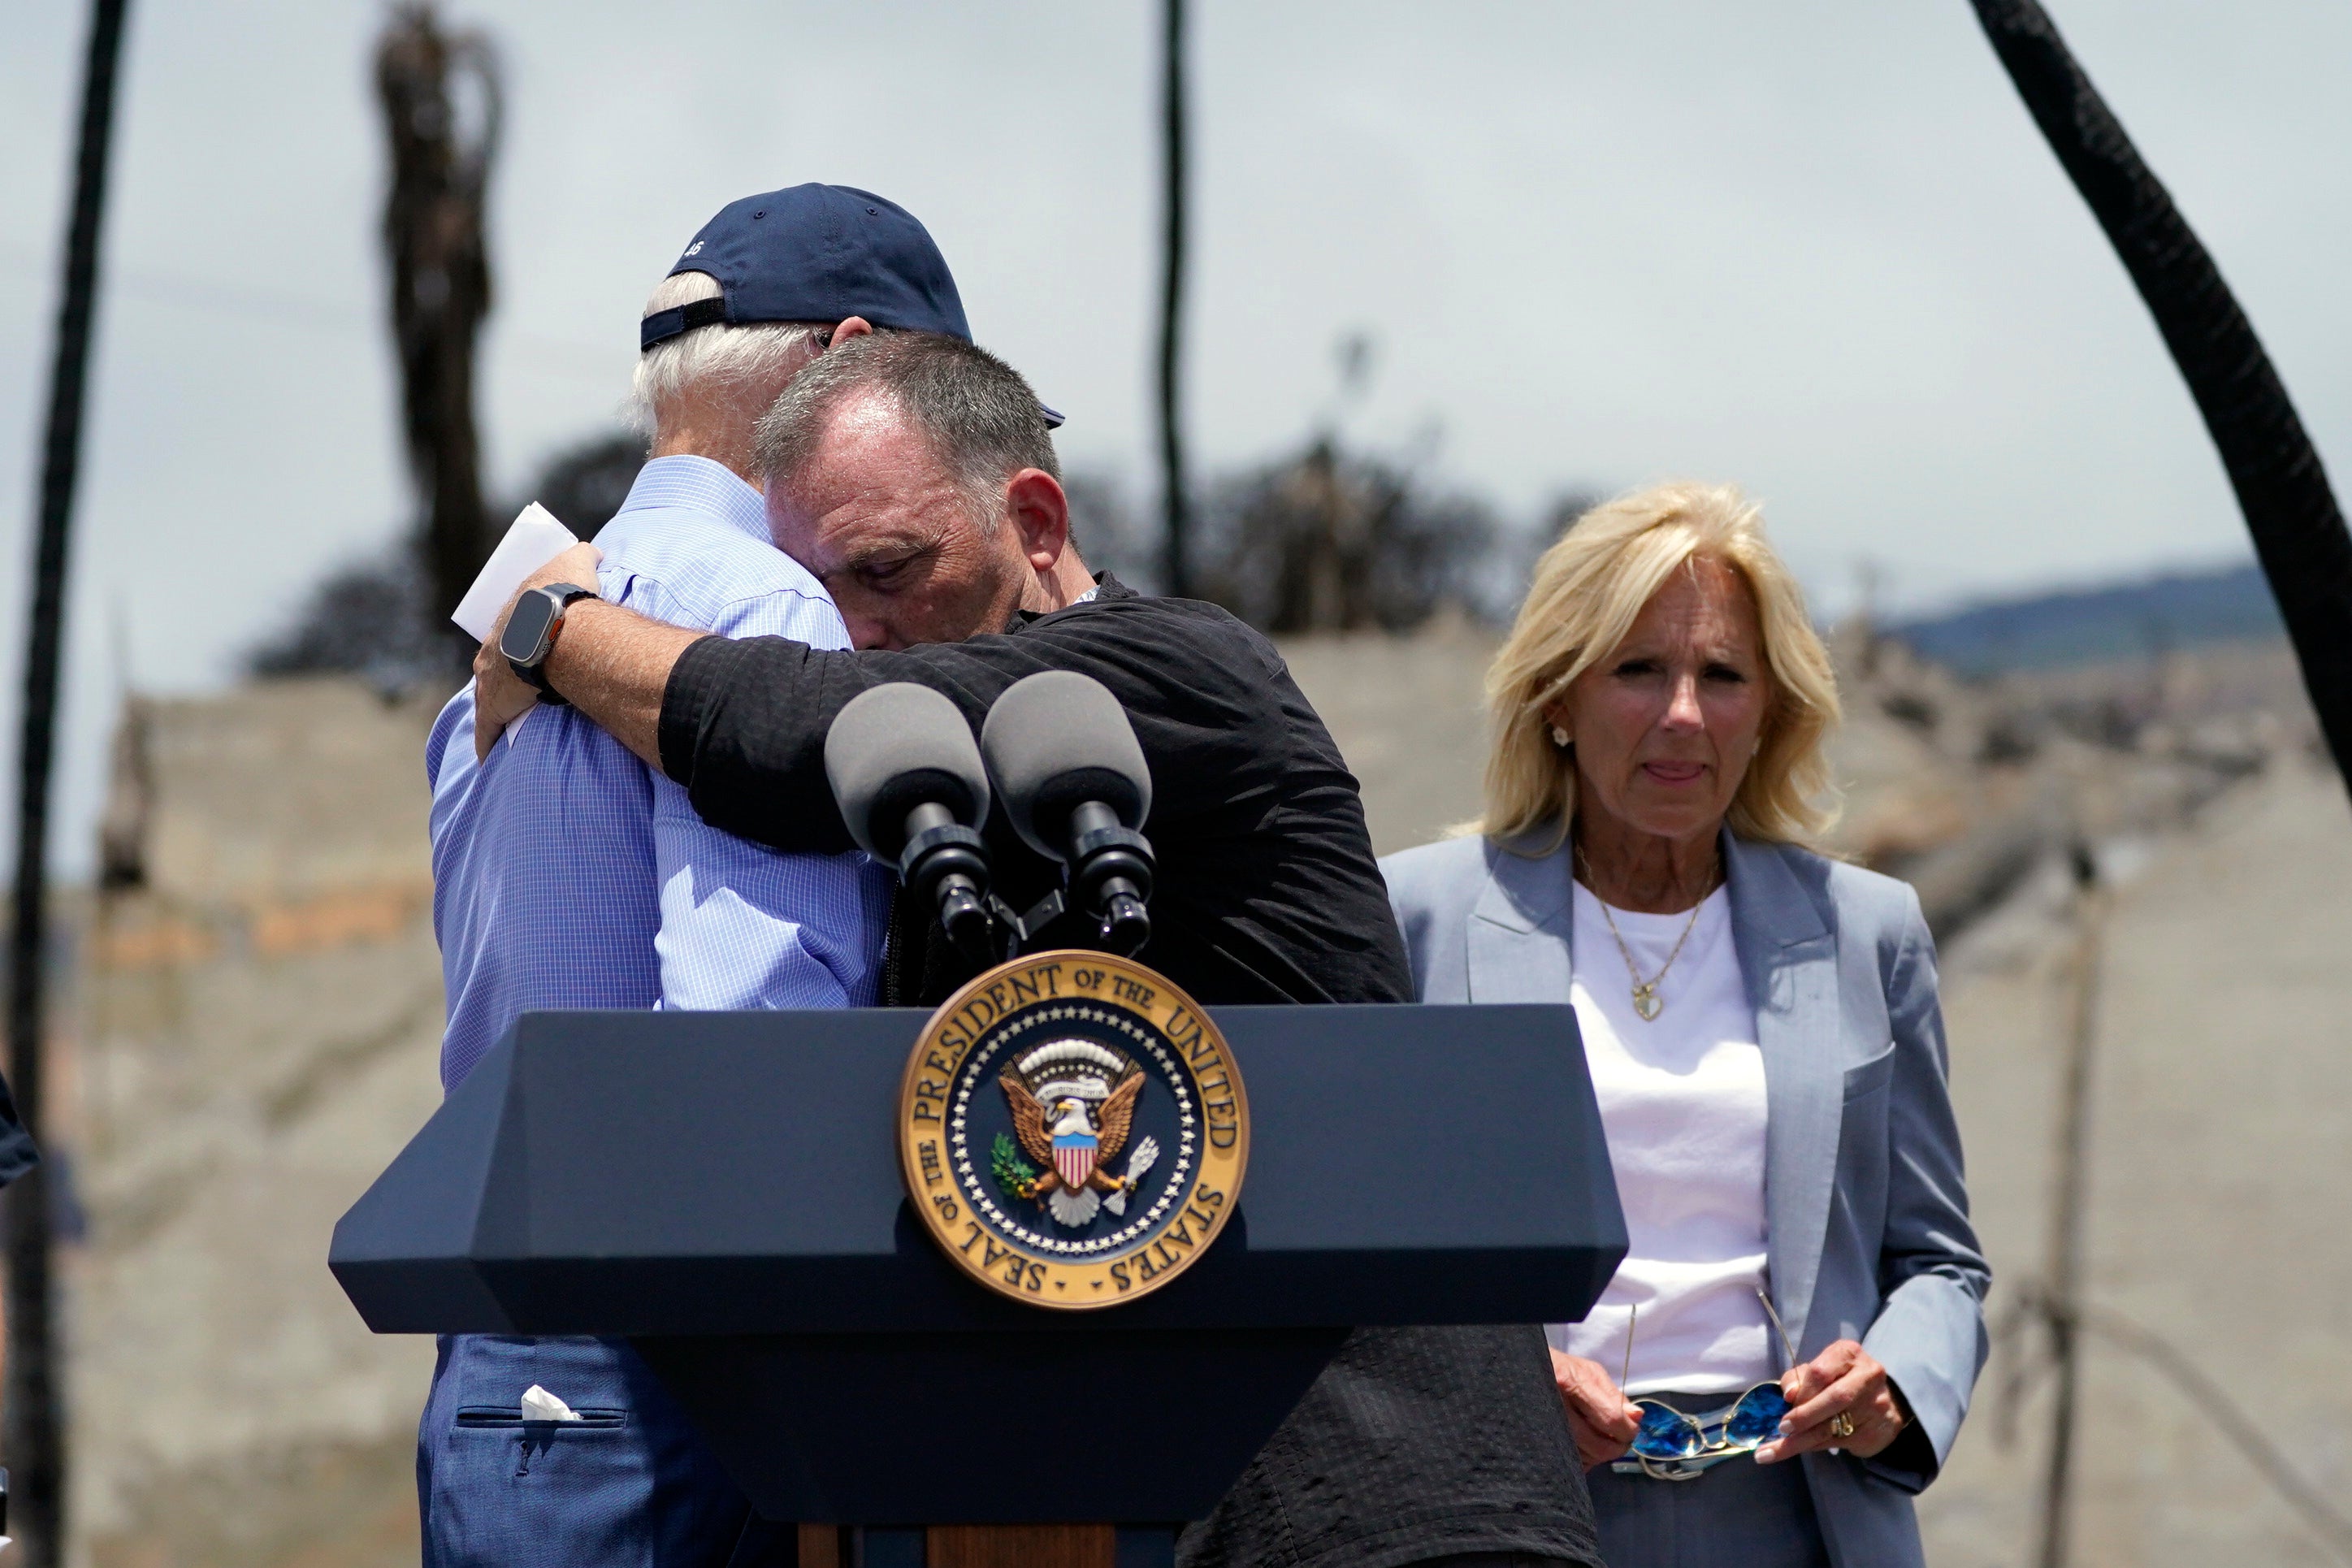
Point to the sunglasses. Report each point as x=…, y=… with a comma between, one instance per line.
x=1671, y=1446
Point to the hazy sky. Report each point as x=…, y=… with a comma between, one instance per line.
x=1815, y=246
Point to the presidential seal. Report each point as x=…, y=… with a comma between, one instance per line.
x=1073, y=1130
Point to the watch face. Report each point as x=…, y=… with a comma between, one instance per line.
x=526, y=632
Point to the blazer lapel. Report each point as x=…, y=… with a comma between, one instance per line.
x=1787, y=955
x=1518, y=929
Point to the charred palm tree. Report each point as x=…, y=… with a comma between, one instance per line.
x=2282, y=488
x=439, y=91
x=2298, y=531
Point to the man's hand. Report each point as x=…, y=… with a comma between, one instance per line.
x=501, y=696
x=1840, y=1399
x=1602, y=1419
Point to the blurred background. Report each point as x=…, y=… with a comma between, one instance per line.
x=1448, y=275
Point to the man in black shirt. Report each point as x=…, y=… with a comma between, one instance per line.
x=914, y=477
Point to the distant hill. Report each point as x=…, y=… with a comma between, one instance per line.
x=2091, y=626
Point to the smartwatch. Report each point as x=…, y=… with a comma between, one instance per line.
x=530, y=633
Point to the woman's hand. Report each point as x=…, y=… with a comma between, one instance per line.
x=1599, y=1413
x=1845, y=1380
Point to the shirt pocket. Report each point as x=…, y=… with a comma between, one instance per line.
x=1870, y=1076
x=1864, y=1150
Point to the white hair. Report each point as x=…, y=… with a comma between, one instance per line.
x=719, y=352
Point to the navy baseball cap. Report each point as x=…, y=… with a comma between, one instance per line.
x=817, y=253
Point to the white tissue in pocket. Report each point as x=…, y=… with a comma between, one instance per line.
x=538, y=1404
x=535, y=539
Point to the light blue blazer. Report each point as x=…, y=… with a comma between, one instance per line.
x=1868, y=1217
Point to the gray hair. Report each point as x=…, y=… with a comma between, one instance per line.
x=720, y=352
x=983, y=423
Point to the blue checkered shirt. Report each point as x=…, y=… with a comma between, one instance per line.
x=566, y=873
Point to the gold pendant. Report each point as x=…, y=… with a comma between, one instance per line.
x=1646, y=1003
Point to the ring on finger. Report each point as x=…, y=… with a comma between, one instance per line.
x=1841, y=1424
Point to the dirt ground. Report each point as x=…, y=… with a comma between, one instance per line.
x=259, y=1015
x=2220, y=1181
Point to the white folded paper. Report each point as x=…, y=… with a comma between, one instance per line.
x=535, y=539
x=538, y=1404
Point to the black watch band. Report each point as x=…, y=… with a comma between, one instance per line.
x=530, y=633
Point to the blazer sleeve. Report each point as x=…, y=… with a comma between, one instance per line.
x=1929, y=1332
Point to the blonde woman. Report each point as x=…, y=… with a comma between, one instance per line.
x=1764, y=1038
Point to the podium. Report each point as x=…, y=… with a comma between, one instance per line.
x=724, y=1190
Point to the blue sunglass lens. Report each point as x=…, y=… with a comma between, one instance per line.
x=1666, y=1434
x=1756, y=1417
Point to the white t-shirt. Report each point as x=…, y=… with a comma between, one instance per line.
x=1682, y=1097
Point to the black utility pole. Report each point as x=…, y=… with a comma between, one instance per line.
x=2282, y=488
x=30, y=1430
x=1176, y=568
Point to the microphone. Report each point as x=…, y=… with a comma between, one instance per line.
x=910, y=785
x=1072, y=778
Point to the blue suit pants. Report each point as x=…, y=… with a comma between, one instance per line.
x=630, y=1485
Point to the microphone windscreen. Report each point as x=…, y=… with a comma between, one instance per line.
x=1057, y=738
x=893, y=748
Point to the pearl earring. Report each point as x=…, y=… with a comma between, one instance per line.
x=1559, y=736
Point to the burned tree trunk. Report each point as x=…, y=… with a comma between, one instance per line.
x=2298, y=531
x=1176, y=569
x=1331, y=540
x=440, y=276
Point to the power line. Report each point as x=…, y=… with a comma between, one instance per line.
x=554, y=356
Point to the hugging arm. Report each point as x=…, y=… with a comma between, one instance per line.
x=742, y=722
x=610, y=663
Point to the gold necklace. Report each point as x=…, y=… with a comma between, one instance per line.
x=1646, y=1000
